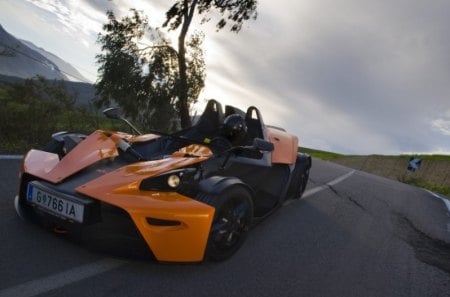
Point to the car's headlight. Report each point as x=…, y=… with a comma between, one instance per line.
x=169, y=181
x=173, y=180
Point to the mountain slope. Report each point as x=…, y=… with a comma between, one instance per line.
x=67, y=69
x=17, y=59
x=84, y=93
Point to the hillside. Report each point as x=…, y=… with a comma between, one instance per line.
x=67, y=69
x=434, y=172
x=23, y=59
x=17, y=59
x=83, y=92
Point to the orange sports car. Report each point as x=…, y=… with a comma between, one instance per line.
x=184, y=197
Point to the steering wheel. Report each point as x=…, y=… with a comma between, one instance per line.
x=220, y=143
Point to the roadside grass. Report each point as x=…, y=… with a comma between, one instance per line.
x=430, y=157
x=437, y=188
x=323, y=155
x=432, y=187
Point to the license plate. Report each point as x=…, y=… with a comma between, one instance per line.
x=55, y=204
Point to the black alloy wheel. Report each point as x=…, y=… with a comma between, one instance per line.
x=232, y=220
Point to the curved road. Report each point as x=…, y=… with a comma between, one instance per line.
x=353, y=234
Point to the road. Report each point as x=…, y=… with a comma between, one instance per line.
x=353, y=234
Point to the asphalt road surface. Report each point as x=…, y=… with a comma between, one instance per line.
x=353, y=234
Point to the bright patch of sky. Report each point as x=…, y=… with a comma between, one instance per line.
x=348, y=76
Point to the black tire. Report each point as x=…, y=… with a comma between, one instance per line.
x=304, y=176
x=20, y=210
x=300, y=177
x=232, y=220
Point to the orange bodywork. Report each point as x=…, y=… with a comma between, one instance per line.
x=185, y=242
x=285, y=146
x=96, y=147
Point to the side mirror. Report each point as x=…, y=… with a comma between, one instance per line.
x=254, y=151
x=263, y=145
x=112, y=113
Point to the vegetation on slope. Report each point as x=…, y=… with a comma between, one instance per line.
x=35, y=109
x=323, y=155
x=434, y=173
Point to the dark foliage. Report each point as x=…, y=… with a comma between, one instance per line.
x=231, y=11
x=144, y=80
x=35, y=109
x=181, y=14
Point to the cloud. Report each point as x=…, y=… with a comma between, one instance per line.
x=358, y=77
x=442, y=125
x=379, y=70
x=75, y=16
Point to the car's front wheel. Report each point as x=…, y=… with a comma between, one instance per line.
x=232, y=220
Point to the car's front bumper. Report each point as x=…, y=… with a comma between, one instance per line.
x=173, y=228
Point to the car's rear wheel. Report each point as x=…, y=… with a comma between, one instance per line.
x=300, y=177
x=303, y=181
x=232, y=220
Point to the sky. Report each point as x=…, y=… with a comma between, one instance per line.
x=348, y=76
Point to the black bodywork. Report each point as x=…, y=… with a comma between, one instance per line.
x=246, y=167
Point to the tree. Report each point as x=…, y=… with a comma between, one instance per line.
x=181, y=14
x=144, y=80
x=35, y=109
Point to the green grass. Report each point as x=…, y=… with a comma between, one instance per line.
x=432, y=187
x=429, y=157
x=440, y=189
x=320, y=154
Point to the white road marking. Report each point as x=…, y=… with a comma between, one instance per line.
x=11, y=157
x=318, y=189
x=327, y=185
x=446, y=201
x=314, y=191
x=39, y=286
x=55, y=281
x=340, y=179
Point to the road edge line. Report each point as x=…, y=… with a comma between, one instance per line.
x=318, y=189
x=446, y=202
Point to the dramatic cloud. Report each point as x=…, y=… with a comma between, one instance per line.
x=375, y=72
x=348, y=76
x=442, y=124
x=73, y=16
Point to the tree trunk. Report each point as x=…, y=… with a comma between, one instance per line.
x=183, y=103
x=183, y=95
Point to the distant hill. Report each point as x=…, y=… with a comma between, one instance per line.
x=435, y=169
x=19, y=58
x=434, y=172
x=83, y=92
x=67, y=69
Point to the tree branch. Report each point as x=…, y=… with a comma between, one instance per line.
x=172, y=50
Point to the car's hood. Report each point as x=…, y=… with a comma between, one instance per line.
x=100, y=146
